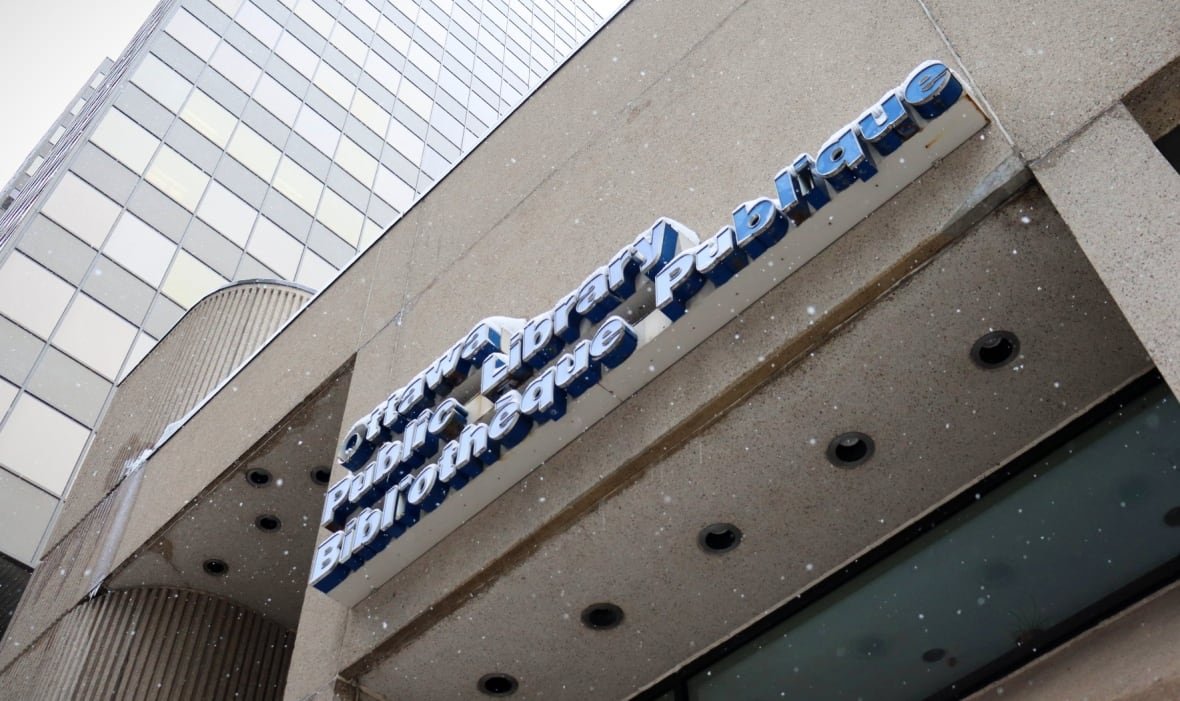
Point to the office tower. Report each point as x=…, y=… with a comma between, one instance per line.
x=37, y=156
x=232, y=140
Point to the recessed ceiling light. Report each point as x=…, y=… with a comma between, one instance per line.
x=719, y=538
x=602, y=616
x=321, y=475
x=850, y=449
x=497, y=684
x=995, y=350
x=268, y=522
x=215, y=567
x=257, y=477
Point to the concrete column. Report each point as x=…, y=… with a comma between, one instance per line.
x=314, y=661
x=1121, y=199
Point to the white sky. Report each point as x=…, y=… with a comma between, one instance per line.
x=50, y=47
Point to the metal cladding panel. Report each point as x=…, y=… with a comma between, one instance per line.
x=153, y=644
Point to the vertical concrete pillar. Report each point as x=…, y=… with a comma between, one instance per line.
x=1121, y=198
x=314, y=660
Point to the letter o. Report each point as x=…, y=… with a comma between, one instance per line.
x=422, y=485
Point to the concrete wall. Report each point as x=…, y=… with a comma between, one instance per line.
x=685, y=110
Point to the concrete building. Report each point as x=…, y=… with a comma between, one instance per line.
x=232, y=140
x=903, y=427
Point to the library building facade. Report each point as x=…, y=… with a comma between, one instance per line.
x=765, y=351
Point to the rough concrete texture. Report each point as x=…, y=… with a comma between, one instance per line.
x=1047, y=68
x=762, y=466
x=1129, y=658
x=581, y=217
x=318, y=344
x=1156, y=103
x=687, y=110
x=1130, y=240
x=212, y=338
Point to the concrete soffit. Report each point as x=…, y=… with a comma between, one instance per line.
x=1005, y=181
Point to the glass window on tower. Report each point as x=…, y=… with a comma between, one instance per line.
x=31, y=295
x=364, y=11
x=232, y=64
x=318, y=131
x=278, y=100
x=334, y=85
x=297, y=184
x=82, y=210
x=95, y=336
x=177, y=177
x=259, y=24
x=370, y=113
x=227, y=213
x=315, y=16
x=315, y=272
x=390, y=32
x=296, y=53
x=254, y=152
x=204, y=114
x=356, y=161
x=341, y=217
x=165, y=85
x=128, y=142
x=140, y=249
x=192, y=34
x=41, y=444
x=275, y=248
x=189, y=280
x=349, y=45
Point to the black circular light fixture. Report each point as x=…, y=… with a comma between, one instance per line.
x=321, y=475
x=497, y=684
x=719, y=538
x=268, y=523
x=1172, y=517
x=215, y=567
x=257, y=477
x=934, y=654
x=995, y=349
x=603, y=616
x=850, y=449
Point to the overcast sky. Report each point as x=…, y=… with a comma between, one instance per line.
x=50, y=47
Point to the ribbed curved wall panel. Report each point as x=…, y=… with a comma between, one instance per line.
x=63, y=577
x=211, y=341
x=143, y=644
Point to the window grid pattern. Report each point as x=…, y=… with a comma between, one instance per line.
x=239, y=139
